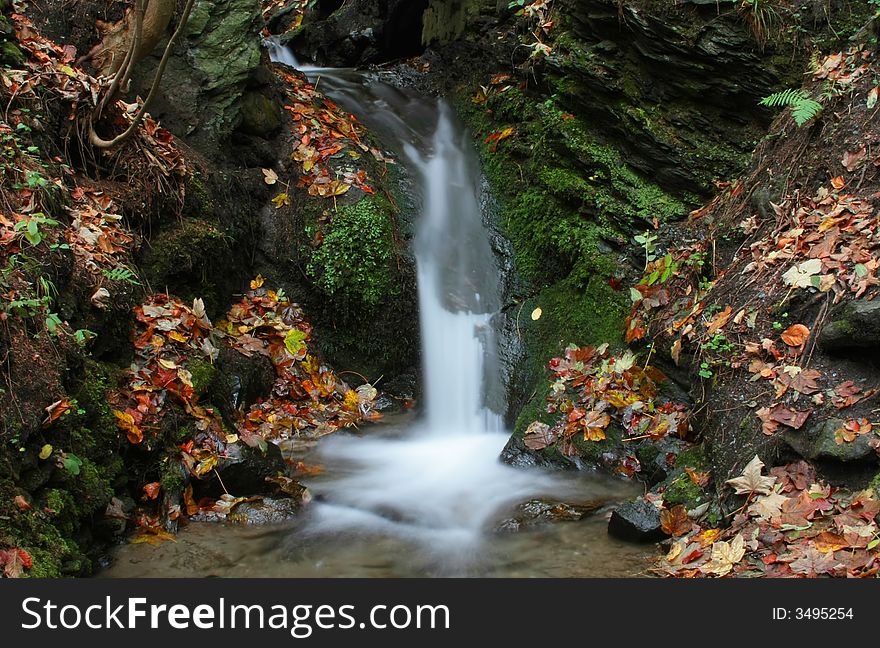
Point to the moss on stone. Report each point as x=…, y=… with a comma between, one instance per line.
x=203, y=374
x=353, y=263
x=679, y=488
x=875, y=485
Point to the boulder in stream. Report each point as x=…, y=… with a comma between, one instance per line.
x=636, y=521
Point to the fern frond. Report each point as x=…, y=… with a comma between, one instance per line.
x=122, y=273
x=803, y=108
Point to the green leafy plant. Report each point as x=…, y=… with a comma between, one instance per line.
x=122, y=273
x=31, y=228
x=803, y=108
x=647, y=241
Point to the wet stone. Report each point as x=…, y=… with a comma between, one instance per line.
x=537, y=512
x=636, y=521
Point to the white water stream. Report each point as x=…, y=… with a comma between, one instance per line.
x=422, y=497
x=439, y=481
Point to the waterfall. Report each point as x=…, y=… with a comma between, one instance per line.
x=437, y=481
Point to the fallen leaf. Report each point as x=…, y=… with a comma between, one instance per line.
x=795, y=335
x=536, y=314
x=724, y=556
x=751, y=480
x=852, y=159
x=675, y=521
x=539, y=435
x=811, y=562
x=269, y=176
x=801, y=275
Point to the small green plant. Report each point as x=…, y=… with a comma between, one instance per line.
x=803, y=108
x=647, y=240
x=705, y=370
x=31, y=228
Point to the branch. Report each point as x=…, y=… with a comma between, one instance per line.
x=96, y=139
x=124, y=72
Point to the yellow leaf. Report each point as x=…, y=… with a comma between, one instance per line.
x=153, y=537
x=257, y=283
x=45, y=451
x=177, y=337
x=281, y=200
x=168, y=364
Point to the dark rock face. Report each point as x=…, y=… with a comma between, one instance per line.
x=678, y=92
x=855, y=326
x=361, y=32
x=636, y=521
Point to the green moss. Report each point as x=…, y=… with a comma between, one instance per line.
x=198, y=202
x=679, y=487
x=203, y=373
x=353, y=264
x=11, y=55
x=187, y=258
x=875, y=485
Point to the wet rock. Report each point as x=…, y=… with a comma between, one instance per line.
x=362, y=32
x=537, y=512
x=855, y=325
x=265, y=511
x=817, y=442
x=243, y=472
x=658, y=460
x=239, y=380
x=636, y=521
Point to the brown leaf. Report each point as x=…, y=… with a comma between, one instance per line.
x=811, y=562
x=853, y=159
x=152, y=490
x=795, y=335
x=675, y=521
x=718, y=321
x=792, y=418
x=539, y=435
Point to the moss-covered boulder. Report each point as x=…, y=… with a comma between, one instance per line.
x=260, y=115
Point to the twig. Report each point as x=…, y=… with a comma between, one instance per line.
x=94, y=138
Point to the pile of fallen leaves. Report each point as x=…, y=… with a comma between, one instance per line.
x=323, y=134
x=791, y=525
x=825, y=247
x=591, y=389
x=307, y=400
x=51, y=71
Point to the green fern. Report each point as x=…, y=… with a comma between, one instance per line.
x=803, y=108
x=122, y=273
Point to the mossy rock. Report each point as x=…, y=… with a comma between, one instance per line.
x=11, y=55
x=353, y=264
x=260, y=115
x=187, y=258
x=679, y=488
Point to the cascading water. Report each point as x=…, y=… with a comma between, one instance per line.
x=416, y=499
x=440, y=480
